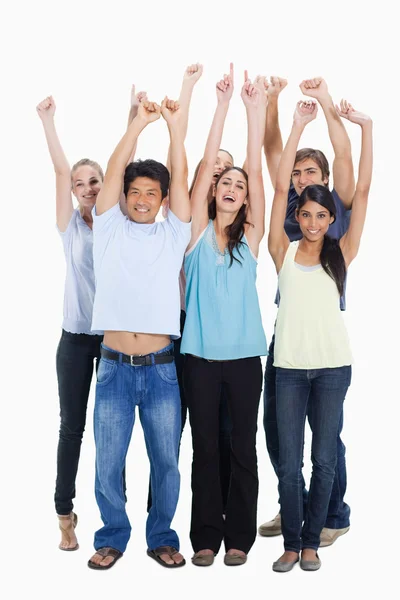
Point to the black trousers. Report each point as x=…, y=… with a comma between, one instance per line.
x=76, y=354
x=224, y=420
x=242, y=381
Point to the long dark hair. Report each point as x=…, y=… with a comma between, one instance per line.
x=331, y=256
x=234, y=231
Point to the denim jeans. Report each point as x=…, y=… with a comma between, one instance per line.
x=154, y=389
x=325, y=390
x=76, y=355
x=338, y=512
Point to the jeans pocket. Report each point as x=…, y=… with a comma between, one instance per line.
x=106, y=371
x=167, y=372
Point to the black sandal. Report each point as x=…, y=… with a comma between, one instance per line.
x=104, y=552
x=170, y=550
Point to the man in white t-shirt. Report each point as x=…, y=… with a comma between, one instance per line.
x=137, y=263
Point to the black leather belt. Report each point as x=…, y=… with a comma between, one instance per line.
x=139, y=361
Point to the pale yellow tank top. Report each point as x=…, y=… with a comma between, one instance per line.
x=310, y=332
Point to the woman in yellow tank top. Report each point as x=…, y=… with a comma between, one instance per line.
x=312, y=351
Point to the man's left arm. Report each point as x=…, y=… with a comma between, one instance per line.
x=179, y=202
x=343, y=171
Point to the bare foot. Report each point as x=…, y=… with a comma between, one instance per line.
x=288, y=557
x=67, y=524
x=236, y=552
x=103, y=561
x=309, y=554
x=170, y=560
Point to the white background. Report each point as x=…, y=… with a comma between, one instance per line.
x=87, y=54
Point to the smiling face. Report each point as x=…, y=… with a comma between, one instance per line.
x=307, y=172
x=143, y=200
x=86, y=184
x=231, y=192
x=224, y=160
x=314, y=220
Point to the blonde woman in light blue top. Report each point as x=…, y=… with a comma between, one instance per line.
x=312, y=352
x=79, y=347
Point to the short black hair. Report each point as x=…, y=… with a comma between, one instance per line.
x=147, y=168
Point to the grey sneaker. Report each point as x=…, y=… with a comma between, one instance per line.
x=329, y=536
x=271, y=528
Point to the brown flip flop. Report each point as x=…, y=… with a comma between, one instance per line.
x=104, y=552
x=170, y=550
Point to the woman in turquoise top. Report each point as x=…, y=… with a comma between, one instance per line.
x=223, y=337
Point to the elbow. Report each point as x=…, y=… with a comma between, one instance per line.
x=362, y=189
x=63, y=171
x=281, y=187
x=207, y=162
x=271, y=244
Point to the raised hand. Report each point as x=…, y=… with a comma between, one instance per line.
x=170, y=110
x=305, y=112
x=315, y=88
x=136, y=98
x=276, y=85
x=347, y=111
x=252, y=95
x=149, y=111
x=261, y=82
x=225, y=87
x=193, y=73
x=46, y=109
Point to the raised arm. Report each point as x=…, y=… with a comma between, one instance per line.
x=190, y=78
x=273, y=145
x=64, y=205
x=178, y=191
x=343, y=172
x=199, y=197
x=136, y=99
x=278, y=241
x=350, y=242
x=110, y=192
x=255, y=101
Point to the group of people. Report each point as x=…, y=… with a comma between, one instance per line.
x=167, y=311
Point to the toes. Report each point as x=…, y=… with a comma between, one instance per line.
x=178, y=558
x=97, y=559
x=106, y=561
x=167, y=559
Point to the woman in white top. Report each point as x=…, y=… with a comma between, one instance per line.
x=79, y=346
x=312, y=351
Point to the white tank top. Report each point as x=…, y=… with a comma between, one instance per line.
x=310, y=332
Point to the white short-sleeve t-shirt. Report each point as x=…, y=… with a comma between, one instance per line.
x=137, y=273
x=77, y=241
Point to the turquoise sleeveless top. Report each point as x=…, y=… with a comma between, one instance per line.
x=223, y=319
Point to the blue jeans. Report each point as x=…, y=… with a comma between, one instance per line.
x=325, y=390
x=154, y=389
x=338, y=512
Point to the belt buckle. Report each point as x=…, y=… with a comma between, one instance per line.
x=132, y=358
